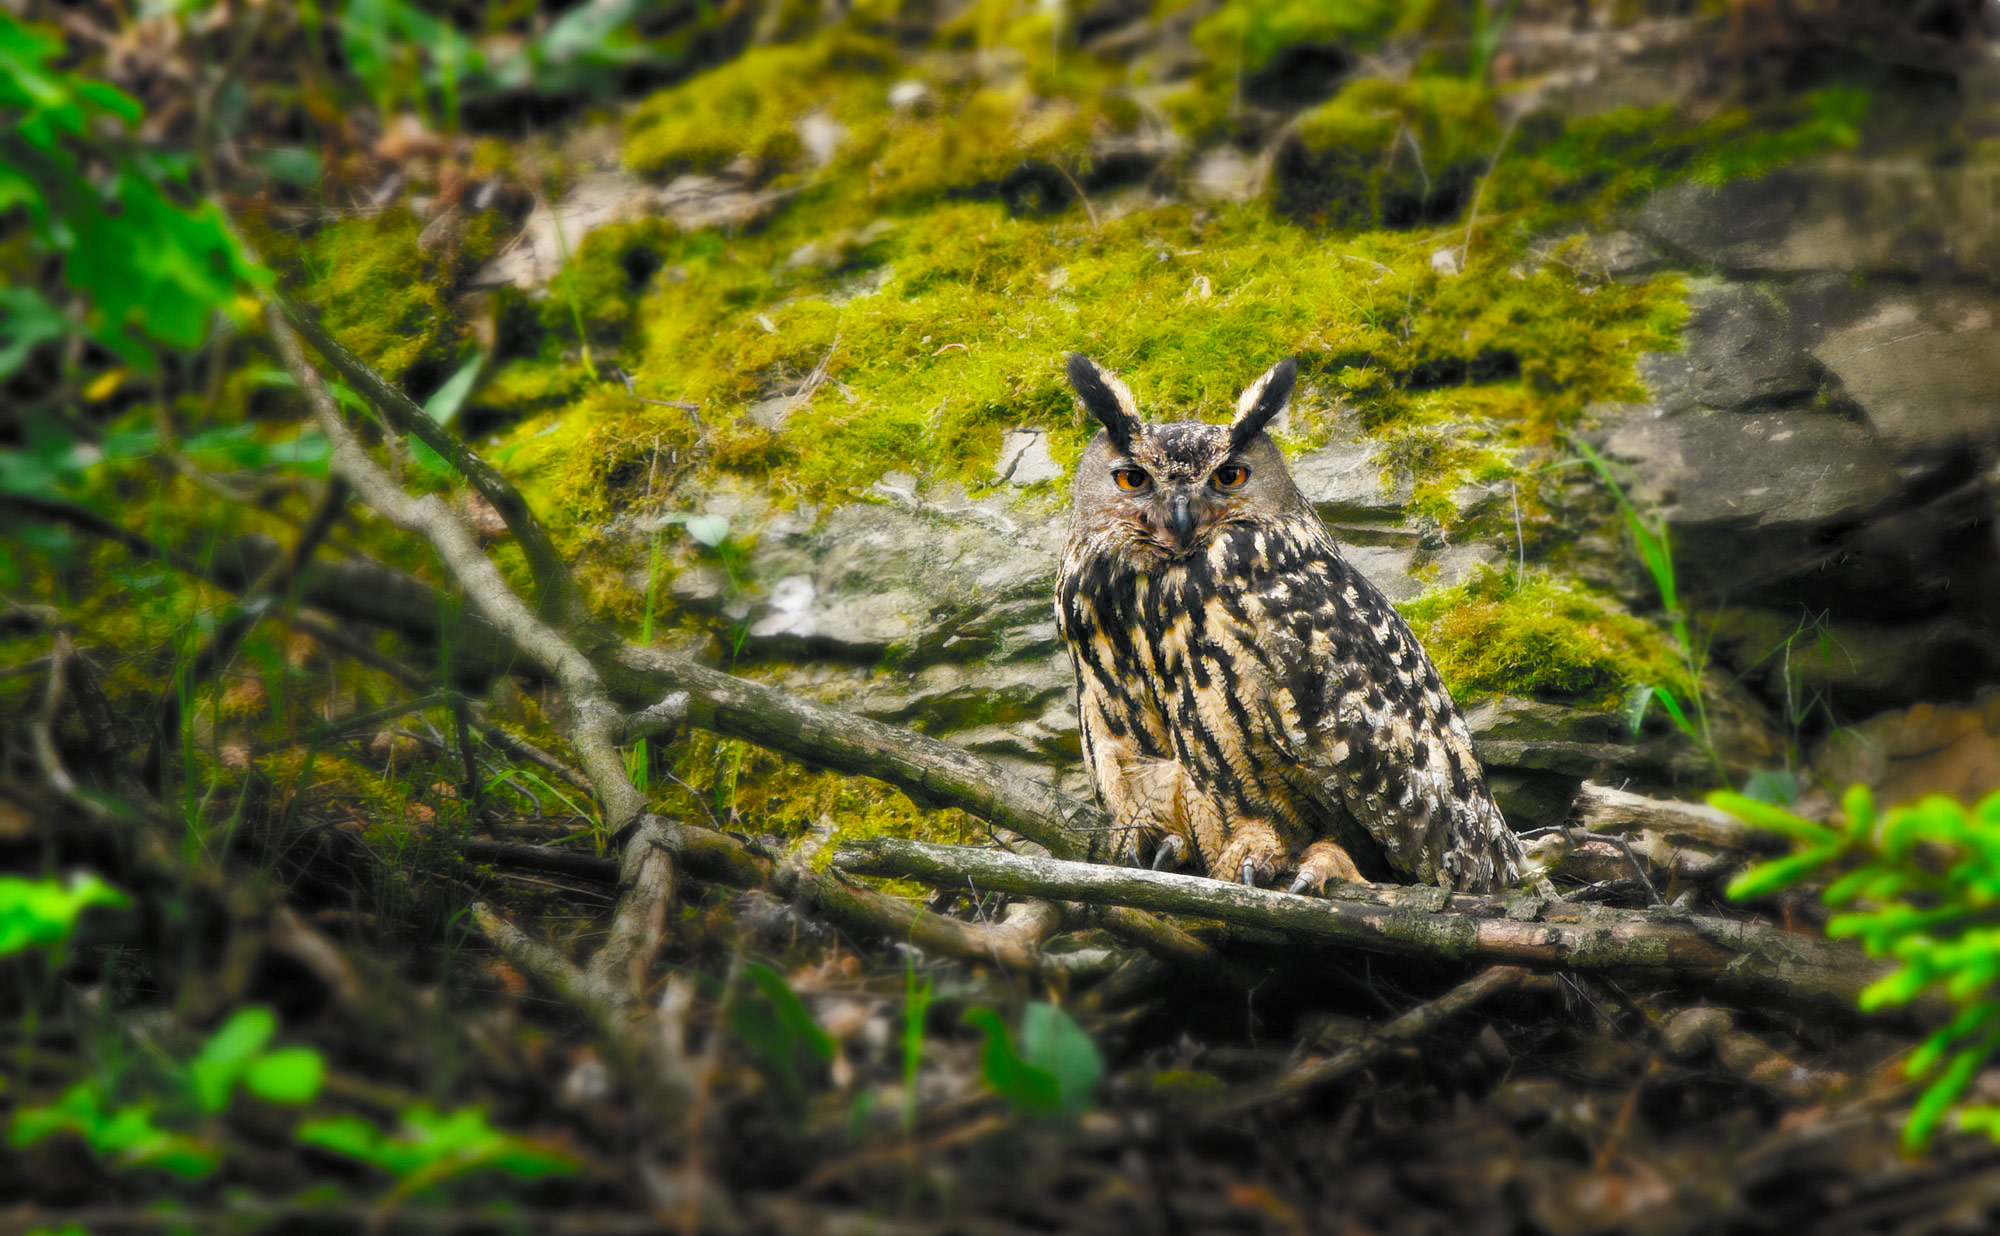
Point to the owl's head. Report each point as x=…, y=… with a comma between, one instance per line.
x=1160, y=491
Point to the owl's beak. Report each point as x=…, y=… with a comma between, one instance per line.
x=1180, y=517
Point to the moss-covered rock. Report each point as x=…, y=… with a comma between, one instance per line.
x=1505, y=633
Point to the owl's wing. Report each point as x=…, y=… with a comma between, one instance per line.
x=1386, y=746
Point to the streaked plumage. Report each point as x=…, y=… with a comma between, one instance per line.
x=1250, y=704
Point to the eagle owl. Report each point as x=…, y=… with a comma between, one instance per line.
x=1251, y=705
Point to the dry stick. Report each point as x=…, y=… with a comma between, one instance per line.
x=593, y=719
x=1741, y=958
x=1411, y=1026
x=932, y=772
x=558, y=601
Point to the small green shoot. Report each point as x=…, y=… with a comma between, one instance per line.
x=916, y=1007
x=785, y=1043
x=1652, y=537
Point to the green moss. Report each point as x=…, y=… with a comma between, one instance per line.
x=1390, y=153
x=1539, y=636
x=753, y=104
x=379, y=292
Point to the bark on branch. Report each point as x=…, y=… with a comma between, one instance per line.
x=1744, y=959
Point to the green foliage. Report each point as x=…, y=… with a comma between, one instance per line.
x=405, y=55
x=156, y=270
x=236, y=1055
x=1651, y=535
x=1918, y=884
x=916, y=1007
x=1502, y=633
x=1049, y=1070
x=43, y=913
x=128, y=1135
x=434, y=1147
x=785, y=1043
x=125, y=1135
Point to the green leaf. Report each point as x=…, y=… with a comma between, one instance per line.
x=214, y=1072
x=1028, y=1088
x=1767, y=878
x=709, y=530
x=27, y=320
x=444, y=404
x=291, y=1076
x=44, y=913
x=1938, y=1097
x=1774, y=818
x=1051, y=1040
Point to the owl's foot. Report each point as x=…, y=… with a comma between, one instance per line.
x=1168, y=856
x=1323, y=861
x=1254, y=855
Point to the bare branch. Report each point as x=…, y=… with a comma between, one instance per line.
x=1742, y=958
x=557, y=601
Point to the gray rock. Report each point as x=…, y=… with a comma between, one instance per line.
x=920, y=582
x=1345, y=484
x=1691, y=1033
x=1814, y=660
x=1836, y=214
x=1925, y=375
x=1751, y=497
x=1669, y=379
x=1624, y=256
x=1025, y=459
x=1744, y=348
x=1224, y=174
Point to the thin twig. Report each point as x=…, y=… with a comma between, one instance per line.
x=1411, y=1026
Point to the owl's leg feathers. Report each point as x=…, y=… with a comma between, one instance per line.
x=1253, y=854
x=1323, y=861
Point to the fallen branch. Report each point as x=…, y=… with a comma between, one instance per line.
x=1745, y=959
x=1411, y=1026
x=932, y=772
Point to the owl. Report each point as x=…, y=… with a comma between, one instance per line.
x=1251, y=706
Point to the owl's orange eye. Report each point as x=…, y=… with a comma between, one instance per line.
x=1131, y=480
x=1231, y=476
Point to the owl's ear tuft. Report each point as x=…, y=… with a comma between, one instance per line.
x=1262, y=400
x=1108, y=400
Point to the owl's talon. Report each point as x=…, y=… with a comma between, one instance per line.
x=1302, y=883
x=1169, y=853
x=1250, y=872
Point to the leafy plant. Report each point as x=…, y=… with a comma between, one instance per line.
x=405, y=54
x=432, y=1147
x=1656, y=551
x=1049, y=1070
x=785, y=1043
x=127, y=1134
x=1919, y=884
x=155, y=270
x=43, y=913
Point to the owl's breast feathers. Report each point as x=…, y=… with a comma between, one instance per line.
x=1285, y=688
